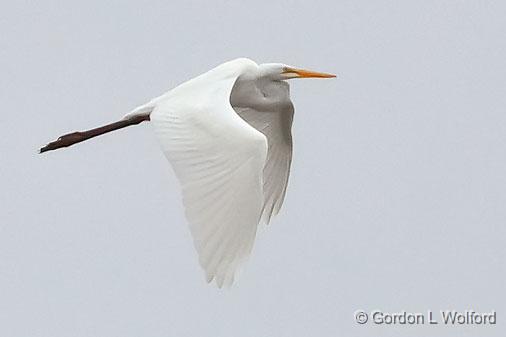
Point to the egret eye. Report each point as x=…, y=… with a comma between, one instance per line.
x=287, y=70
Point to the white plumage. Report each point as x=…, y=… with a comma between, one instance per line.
x=227, y=135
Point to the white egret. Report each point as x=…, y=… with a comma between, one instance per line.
x=227, y=135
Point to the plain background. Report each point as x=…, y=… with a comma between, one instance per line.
x=397, y=194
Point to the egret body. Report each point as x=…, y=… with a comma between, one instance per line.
x=227, y=135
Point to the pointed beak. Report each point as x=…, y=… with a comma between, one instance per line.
x=302, y=73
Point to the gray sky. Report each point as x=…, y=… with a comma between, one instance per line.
x=397, y=192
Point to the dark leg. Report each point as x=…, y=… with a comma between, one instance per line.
x=80, y=136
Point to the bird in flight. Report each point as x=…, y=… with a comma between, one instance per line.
x=227, y=135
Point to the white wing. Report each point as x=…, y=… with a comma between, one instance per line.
x=276, y=126
x=219, y=159
x=266, y=106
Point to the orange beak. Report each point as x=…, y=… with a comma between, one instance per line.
x=301, y=73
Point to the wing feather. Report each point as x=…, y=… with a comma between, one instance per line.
x=218, y=159
x=276, y=126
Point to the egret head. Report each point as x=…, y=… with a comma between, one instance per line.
x=280, y=71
